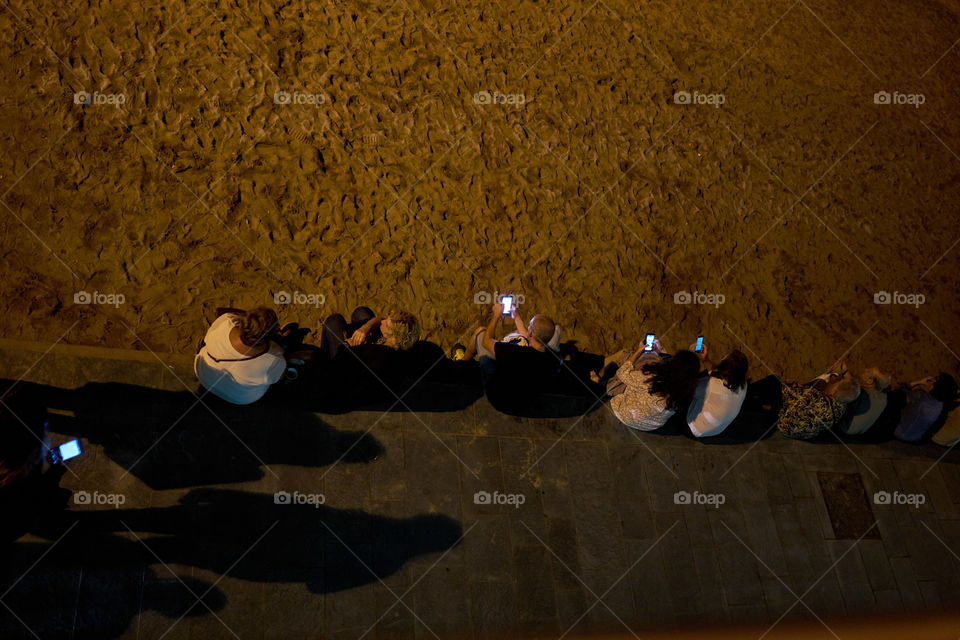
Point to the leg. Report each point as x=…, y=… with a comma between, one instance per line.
x=360, y=316
x=332, y=335
x=471, y=351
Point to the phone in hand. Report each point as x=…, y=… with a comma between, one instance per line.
x=507, y=302
x=648, y=342
x=65, y=451
x=699, y=346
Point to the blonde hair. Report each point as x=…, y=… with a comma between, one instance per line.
x=406, y=330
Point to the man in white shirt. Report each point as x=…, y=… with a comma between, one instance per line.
x=238, y=361
x=719, y=395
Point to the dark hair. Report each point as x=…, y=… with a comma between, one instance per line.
x=944, y=388
x=258, y=325
x=673, y=378
x=732, y=370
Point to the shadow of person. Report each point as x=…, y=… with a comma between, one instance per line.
x=170, y=440
x=261, y=538
x=91, y=588
x=375, y=377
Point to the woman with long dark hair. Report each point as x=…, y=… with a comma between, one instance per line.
x=650, y=386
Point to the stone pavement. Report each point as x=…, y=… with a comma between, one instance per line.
x=466, y=524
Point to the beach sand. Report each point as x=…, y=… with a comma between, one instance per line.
x=580, y=183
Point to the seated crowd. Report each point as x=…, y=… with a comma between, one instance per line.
x=369, y=359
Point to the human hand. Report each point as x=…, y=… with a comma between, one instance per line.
x=498, y=309
x=702, y=354
x=359, y=337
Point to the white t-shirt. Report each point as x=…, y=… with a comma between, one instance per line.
x=240, y=382
x=714, y=407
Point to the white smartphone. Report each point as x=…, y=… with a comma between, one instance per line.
x=648, y=342
x=65, y=451
x=507, y=302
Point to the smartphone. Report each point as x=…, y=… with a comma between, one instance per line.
x=699, y=345
x=507, y=302
x=648, y=342
x=65, y=451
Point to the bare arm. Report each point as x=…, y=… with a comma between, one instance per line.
x=488, y=340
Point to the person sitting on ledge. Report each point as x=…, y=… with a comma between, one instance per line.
x=238, y=358
x=719, y=395
x=811, y=409
x=400, y=330
x=541, y=335
x=650, y=386
x=521, y=364
x=863, y=412
x=924, y=401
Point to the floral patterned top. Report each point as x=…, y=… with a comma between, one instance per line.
x=807, y=412
x=636, y=407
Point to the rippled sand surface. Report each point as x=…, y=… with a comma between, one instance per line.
x=422, y=153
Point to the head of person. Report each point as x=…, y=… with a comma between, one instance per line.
x=944, y=388
x=258, y=325
x=844, y=390
x=874, y=380
x=541, y=329
x=732, y=370
x=400, y=330
x=673, y=377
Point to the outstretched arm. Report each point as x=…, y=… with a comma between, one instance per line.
x=488, y=338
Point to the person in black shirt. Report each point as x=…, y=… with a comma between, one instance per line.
x=519, y=366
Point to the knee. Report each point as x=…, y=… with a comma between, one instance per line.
x=361, y=315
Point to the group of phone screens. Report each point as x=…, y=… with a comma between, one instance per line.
x=648, y=343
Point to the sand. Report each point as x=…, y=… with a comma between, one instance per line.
x=580, y=183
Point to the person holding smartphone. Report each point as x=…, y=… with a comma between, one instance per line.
x=521, y=364
x=650, y=385
x=719, y=395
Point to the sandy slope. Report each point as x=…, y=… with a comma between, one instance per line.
x=598, y=198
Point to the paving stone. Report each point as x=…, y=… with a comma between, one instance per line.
x=877, y=565
x=852, y=575
x=536, y=598
x=907, y=582
x=493, y=608
x=489, y=550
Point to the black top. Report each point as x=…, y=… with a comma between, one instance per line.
x=521, y=373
